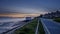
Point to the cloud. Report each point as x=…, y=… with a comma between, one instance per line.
x=31, y=10
x=22, y=10
x=4, y=10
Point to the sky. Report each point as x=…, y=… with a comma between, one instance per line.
x=29, y=6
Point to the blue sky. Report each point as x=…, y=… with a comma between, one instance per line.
x=29, y=6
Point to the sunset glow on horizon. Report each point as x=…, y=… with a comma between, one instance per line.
x=23, y=8
x=20, y=15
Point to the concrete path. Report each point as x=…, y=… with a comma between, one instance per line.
x=36, y=32
x=51, y=26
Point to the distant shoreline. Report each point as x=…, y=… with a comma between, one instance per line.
x=10, y=17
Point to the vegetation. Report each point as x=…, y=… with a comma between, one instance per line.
x=57, y=19
x=41, y=30
x=30, y=28
x=27, y=29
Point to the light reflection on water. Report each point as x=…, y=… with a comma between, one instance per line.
x=6, y=24
x=12, y=19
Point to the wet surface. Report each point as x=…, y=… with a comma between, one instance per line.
x=52, y=26
x=6, y=25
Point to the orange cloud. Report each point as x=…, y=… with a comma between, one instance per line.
x=20, y=15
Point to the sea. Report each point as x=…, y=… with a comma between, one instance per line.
x=7, y=23
x=11, y=19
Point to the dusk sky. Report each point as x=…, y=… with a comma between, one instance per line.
x=29, y=6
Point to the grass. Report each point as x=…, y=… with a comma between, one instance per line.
x=57, y=19
x=30, y=28
x=41, y=30
x=27, y=29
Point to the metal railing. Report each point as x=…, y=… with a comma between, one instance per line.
x=36, y=32
x=45, y=28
